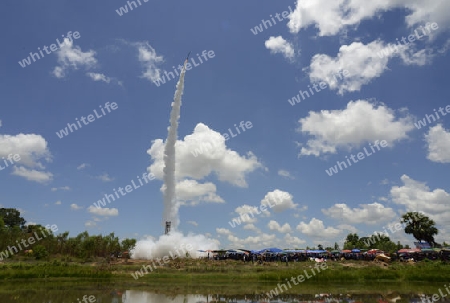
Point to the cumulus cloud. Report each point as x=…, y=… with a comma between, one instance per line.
x=58, y=203
x=32, y=175
x=83, y=166
x=70, y=56
x=103, y=211
x=359, y=123
x=293, y=241
x=90, y=224
x=278, y=45
x=274, y=225
x=32, y=149
x=259, y=241
x=192, y=223
x=226, y=164
x=251, y=227
x=355, y=65
x=74, y=206
x=105, y=178
x=99, y=77
x=316, y=229
x=417, y=196
x=438, y=141
x=194, y=192
x=367, y=213
x=281, y=200
x=223, y=231
x=149, y=59
x=247, y=213
x=332, y=17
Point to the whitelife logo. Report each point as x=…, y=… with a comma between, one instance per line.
x=204, y=147
x=170, y=75
x=423, y=123
x=27, y=61
x=360, y=156
x=259, y=28
x=90, y=118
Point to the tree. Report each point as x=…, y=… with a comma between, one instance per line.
x=336, y=246
x=352, y=241
x=320, y=247
x=11, y=217
x=420, y=226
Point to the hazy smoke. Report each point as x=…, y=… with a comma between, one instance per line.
x=150, y=249
x=170, y=200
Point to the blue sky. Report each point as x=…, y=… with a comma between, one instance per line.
x=282, y=159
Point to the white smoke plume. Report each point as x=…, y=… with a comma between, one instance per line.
x=173, y=242
x=170, y=200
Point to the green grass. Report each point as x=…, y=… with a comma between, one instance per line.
x=190, y=270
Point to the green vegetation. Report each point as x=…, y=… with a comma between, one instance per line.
x=420, y=226
x=15, y=241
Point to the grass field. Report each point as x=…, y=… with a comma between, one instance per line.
x=191, y=270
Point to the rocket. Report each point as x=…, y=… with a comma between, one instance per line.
x=188, y=55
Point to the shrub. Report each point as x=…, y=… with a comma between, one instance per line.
x=40, y=252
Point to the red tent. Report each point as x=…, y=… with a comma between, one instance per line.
x=408, y=250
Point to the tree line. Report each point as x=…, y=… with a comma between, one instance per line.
x=13, y=230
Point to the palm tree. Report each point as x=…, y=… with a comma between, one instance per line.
x=420, y=226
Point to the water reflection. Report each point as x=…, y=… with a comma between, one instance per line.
x=105, y=294
x=135, y=296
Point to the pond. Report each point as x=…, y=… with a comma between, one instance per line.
x=107, y=292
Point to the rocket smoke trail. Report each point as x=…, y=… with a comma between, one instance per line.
x=170, y=203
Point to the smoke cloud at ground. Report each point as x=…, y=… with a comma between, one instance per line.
x=150, y=249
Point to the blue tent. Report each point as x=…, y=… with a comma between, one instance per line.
x=273, y=250
x=355, y=250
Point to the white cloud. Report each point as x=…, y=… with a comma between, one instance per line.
x=83, y=166
x=438, y=140
x=367, y=213
x=149, y=59
x=274, y=225
x=247, y=213
x=251, y=227
x=191, y=190
x=293, y=241
x=70, y=56
x=74, y=206
x=281, y=200
x=355, y=65
x=192, y=223
x=103, y=211
x=417, y=196
x=90, y=224
x=361, y=122
x=262, y=240
x=280, y=45
x=223, y=231
x=226, y=164
x=285, y=173
x=316, y=229
x=30, y=147
x=99, y=77
x=32, y=175
x=58, y=203
x=60, y=188
x=331, y=17
x=105, y=178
